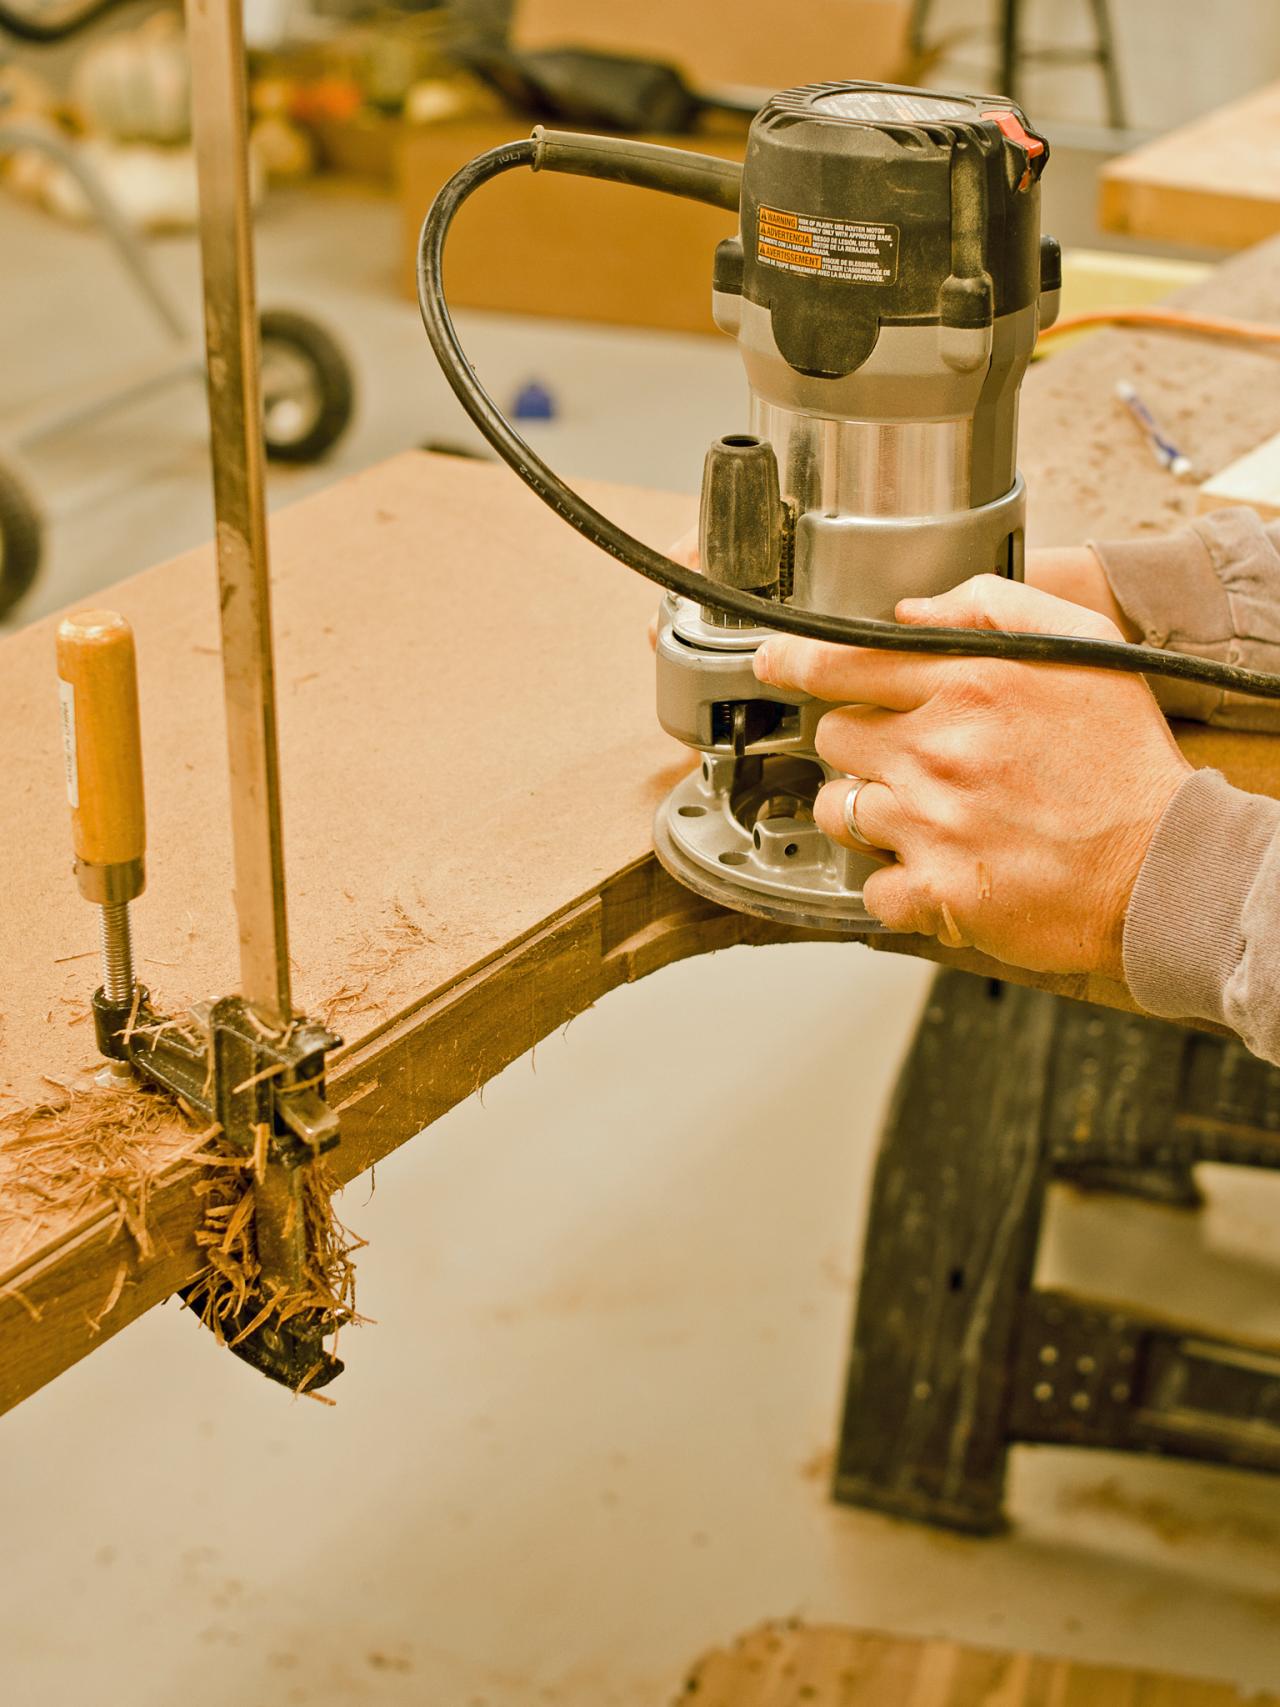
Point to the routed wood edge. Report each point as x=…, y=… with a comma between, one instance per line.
x=386, y=1090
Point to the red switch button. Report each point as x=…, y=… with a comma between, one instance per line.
x=1013, y=128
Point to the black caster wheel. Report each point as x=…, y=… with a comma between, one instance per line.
x=307, y=390
x=21, y=539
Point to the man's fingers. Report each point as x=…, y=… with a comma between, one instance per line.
x=901, y=681
x=862, y=740
x=902, y=904
x=875, y=813
x=898, y=681
x=991, y=601
x=890, y=896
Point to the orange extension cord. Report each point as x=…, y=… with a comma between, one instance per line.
x=1170, y=319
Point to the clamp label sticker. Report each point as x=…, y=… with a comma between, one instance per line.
x=67, y=717
x=828, y=248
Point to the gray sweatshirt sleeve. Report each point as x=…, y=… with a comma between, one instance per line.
x=1213, y=589
x=1202, y=930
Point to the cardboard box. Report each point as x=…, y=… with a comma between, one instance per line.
x=765, y=44
x=572, y=248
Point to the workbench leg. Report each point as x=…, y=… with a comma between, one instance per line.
x=950, y=1247
x=1010, y=61
x=1117, y=116
x=916, y=28
x=1111, y=1123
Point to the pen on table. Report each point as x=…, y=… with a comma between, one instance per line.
x=1164, y=450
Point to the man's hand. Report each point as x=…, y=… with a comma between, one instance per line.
x=1015, y=801
x=1073, y=573
x=685, y=551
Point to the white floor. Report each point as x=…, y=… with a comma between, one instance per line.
x=590, y=1433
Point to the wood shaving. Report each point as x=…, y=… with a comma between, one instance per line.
x=373, y=956
x=231, y=1296
x=257, y=1078
x=950, y=936
x=261, y=1141
x=33, y=1310
x=85, y=1150
x=113, y=1298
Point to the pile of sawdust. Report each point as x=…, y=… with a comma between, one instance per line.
x=85, y=1150
x=231, y=1296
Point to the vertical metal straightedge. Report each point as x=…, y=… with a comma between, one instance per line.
x=219, y=122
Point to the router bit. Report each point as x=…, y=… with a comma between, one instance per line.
x=98, y=691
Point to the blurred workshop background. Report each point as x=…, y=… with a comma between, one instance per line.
x=360, y=111
x=616, y=1292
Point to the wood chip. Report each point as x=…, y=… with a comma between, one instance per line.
x=950, y=935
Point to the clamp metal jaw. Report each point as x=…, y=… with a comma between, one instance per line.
x=267, y=1094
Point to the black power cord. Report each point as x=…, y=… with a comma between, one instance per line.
x=703, y=178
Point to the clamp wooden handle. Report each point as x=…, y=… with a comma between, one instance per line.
x=98, y=688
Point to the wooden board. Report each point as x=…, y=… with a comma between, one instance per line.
x=789, y=1665
x=1214, y=181
x=1253, y=481
x=470, y=765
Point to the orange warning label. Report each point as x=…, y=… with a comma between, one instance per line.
x=784, y=234
x=790, y=257
x=831, y=248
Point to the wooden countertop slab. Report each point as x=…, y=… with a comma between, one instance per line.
x=470, y=764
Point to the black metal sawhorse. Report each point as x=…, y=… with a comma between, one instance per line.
x=957, y=1356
